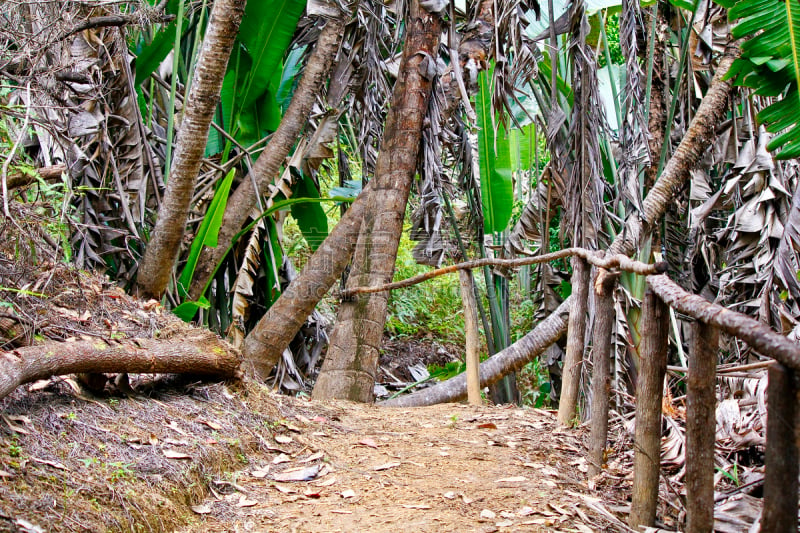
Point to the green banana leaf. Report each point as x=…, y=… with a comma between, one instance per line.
x=310, y=217
x=150, y=56
x=266, y=31
x=497, y=189
x=208, y=232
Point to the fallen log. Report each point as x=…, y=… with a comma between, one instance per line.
x=493, y=369
x=197, y=352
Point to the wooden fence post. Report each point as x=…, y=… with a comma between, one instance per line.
x=576, y=337
x=471, y=333
x=701, y=424
x=780, y=480
x=601, y=367
x=649, y=395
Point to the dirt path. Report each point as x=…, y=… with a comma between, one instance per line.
x=435, y=469
x=192, y=457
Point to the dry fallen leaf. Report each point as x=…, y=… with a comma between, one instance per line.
x=487, y=425
x=284, y=489
x=368, y=442
x=311, y=458
x=449, y=495
x=261, y=473
x=283, y=439
x=282, y=458
x=298, y=474
x=417, y=506
x=504, y=523
x=244, y=502
x=212, y=425
x=487, y=514
x=173, y=454
x=325, y=482
x=349, y=493
x=341, y=511
x=386, y=466
x=515, y=479
x=201, y=509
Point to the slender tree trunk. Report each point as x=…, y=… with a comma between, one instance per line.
x=163, y=248
x=576, y=339
x=649, y=396
x=268, y=164
x=701, y=403
x=467, y=286
x=782, y=468
x=197, y=352
x=601, y=370
x=351, y=363
x=264, y=345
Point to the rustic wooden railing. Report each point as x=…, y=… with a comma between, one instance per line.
x=783, y=405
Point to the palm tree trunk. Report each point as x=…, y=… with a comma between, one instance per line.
x=268, y=164
x=264, y=345
x=163, y=248
x=350, y=366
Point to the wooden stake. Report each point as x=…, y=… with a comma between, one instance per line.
x=601, y=370
x=649, y=394
x=576, y=336
x=472, y=339
x=701, y=426
x=780, y=480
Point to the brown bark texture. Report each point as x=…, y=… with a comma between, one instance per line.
x=162, y=250
x=576, y=343
x=601, y=371
x=782, y=469
x=272, y=334
x=472, y=340
x=649, y=395
x=701, y=403
x=200, y=352
x=349, y=369
x=267, y=167
x=759, y=336
x=699, y=136
x=493, y=369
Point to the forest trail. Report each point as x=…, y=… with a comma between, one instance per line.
x=449, y=467
x=191, y=457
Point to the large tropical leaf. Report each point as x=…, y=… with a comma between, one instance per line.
x=770, y=65
x=208, y=232
x=310, y=217
x=150, y=56
x=497, y=189
x=266, y=31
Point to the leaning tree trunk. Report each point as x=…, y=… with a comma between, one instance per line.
x=699, y=137
x=268, y=164
x=352, y=360
x=273, y=333
x=197, y=352
x=264, y=345
x=163, y=248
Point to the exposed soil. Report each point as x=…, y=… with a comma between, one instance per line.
x=213, y=458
